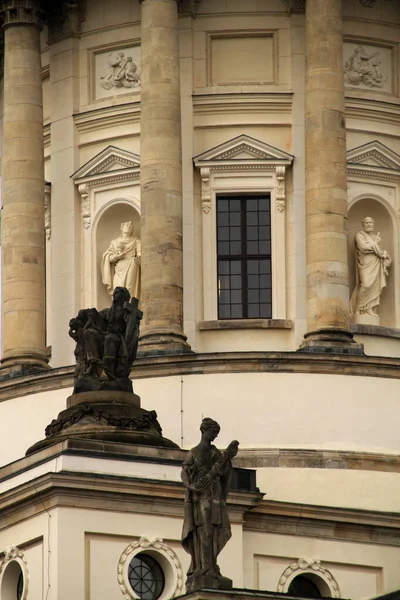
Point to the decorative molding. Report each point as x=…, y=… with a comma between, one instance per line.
x=108, y=162
x=205, y=190
x=244, y=150
x=47, y=209
x=111, y=165
x=280, y=188
x=110, y=116
x=13, y=553
x=21, y=12
x=304, y=566
x=139, y=546
x=85, y=205
x=375, y=160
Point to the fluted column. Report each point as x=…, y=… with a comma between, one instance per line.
x=161, y=181
x=23, y=274
x=326, y=182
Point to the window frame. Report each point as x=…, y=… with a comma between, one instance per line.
x=243, y=166
x=244, y=256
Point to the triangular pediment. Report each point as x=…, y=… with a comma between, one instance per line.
x=243, y=149
x=374, y=154
x=109, y=160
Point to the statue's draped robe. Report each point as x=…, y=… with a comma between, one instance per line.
x=370, y=273
x=206, y=508
x=125, y=272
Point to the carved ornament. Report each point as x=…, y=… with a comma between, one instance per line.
x=85, y=205
x=312, y=566
x=65, y=18
x=22, y=12
x=205, y=190
x=13, y=553
x=89, y=412
x=294, y=6
x=280, y=188
x=145, y=544
x=47, y=210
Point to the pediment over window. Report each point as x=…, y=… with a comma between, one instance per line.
x=111, y=162
x=374, y=159
x=243, y=151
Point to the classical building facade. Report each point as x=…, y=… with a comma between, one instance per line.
x=236, y=163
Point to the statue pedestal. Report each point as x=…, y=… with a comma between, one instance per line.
x=208, y=582
x=366, y=319
x=108, y=416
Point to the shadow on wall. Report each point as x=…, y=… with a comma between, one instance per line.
x=369, y=207
x=108, y=228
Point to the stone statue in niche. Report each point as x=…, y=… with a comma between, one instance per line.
x=206, y=475
x=372, y=264
x=106, y=344
x=122, y=72
x=362, y=68
x=120, y=266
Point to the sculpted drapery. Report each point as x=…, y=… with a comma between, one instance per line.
x=206, y=475
x=372, y=265
x=121, y=262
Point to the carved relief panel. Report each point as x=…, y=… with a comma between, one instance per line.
x=368, y=67
x=116, y=71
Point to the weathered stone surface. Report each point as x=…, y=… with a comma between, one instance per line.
x=23, y=284
x=206, y=475
x=161, y=181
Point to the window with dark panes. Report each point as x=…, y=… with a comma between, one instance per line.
x=244, y=257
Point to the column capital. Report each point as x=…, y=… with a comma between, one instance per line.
x=21, y=12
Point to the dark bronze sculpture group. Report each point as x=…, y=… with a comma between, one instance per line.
x=106, y=344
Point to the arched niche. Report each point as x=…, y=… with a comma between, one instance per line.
x=106, y=228
x=369, y=206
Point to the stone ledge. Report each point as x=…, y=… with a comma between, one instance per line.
x=317, y=459
x=245, y=324
x=375, y=330
x=213, y=363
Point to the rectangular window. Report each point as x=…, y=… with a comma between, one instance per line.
x=244, y=257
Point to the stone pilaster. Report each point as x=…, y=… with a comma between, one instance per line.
x=161, y=181
x=326, y=183
x=23, y=239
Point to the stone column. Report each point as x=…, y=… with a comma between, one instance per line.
x=23, y=238
x=161, y=182
x=326, y=181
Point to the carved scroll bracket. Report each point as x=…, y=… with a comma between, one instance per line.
x=85, y=204
x=205, y=190
x=47, y=210
x=280, y=172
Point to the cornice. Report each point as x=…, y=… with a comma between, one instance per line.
x=214, y=363
x=324, y=522
x=105, y=492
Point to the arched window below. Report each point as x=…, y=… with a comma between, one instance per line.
x=307, y=586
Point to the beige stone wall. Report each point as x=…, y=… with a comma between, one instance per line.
x=218, y=104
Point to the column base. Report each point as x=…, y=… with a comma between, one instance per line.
x=331, y=341
x=16, y=366
x=163, y=344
